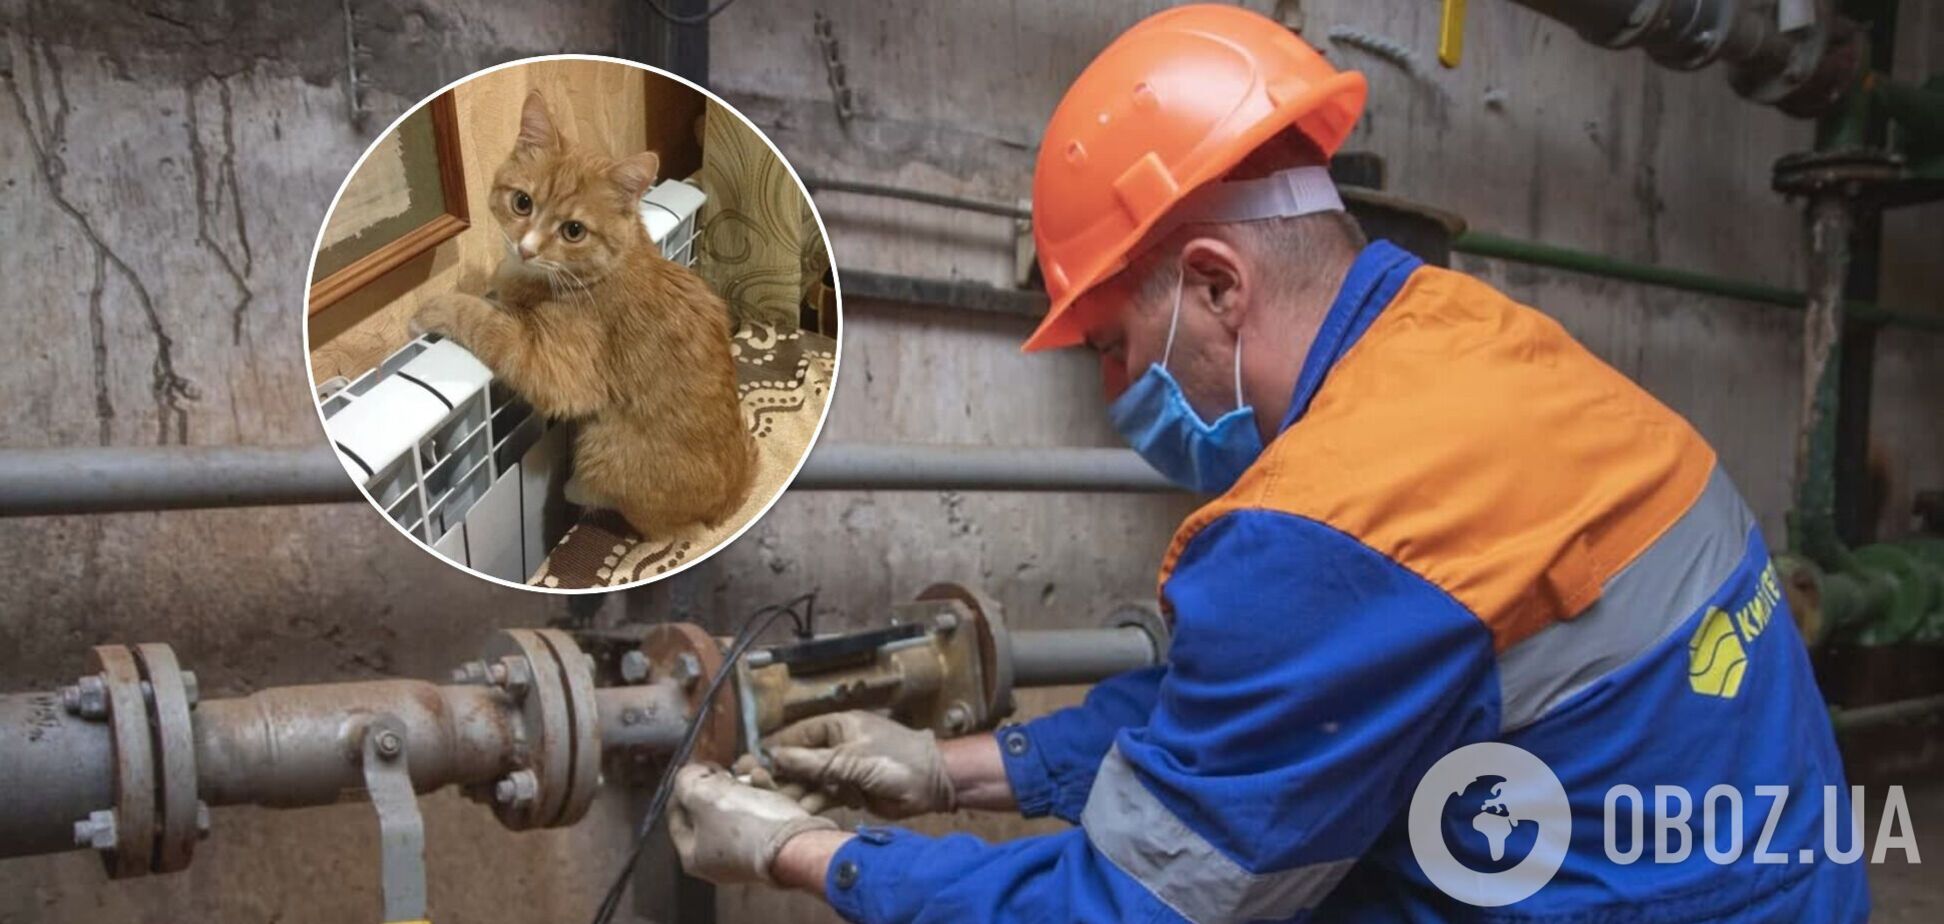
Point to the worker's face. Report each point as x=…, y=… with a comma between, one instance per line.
x=1132, y=333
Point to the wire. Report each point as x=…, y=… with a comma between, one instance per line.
x=754, y=626
x=688, y=19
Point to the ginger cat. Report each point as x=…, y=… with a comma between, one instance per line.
x=593, y=325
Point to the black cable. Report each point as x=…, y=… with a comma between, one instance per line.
x=688, y=19
x=752, y=627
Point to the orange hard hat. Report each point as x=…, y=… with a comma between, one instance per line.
x=1175, y=102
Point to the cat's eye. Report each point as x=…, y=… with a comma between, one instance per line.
x=522, y=203
x=573, y=230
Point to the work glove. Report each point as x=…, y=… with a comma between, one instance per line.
x=813, y=799
x=864, y=759
x=726, y=831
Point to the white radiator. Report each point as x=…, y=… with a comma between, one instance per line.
x=456, y=459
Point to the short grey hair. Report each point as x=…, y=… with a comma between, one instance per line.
x=1289, y=247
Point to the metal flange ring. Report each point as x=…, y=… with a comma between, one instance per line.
x=128, y=723
x=176, y=747
x=995, y=643
x=664, y=645
x=546, y=717
x=584, y=775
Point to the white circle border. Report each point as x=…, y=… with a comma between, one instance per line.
x=1520, y=768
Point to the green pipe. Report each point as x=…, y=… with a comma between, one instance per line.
x=1903, y=710
x=1498, y=247
x=1483, y=244
x=1873, y=313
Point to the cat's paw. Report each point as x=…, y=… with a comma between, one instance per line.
x=440, y=315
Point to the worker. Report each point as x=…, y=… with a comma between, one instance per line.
x=1437, y=521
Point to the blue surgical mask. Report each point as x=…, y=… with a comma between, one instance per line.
x=1156, y=419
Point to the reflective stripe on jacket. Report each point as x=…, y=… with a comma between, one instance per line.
x=1468, y=529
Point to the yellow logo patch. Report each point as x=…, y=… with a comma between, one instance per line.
x=1716, y=658
x=1718, y=652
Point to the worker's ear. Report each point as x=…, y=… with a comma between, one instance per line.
x=1216, y=271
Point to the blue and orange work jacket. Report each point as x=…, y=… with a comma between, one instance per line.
x=1468, y=529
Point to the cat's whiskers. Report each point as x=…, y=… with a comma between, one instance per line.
x=586, y=291
x=562, y=281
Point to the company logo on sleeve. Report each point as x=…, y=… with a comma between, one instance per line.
x=1718, y=650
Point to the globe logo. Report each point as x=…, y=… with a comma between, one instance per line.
x=1503, y=810
x=1480, y=812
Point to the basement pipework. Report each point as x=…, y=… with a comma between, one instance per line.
x=129, y=760
x=86, y=480
x=1796, y=55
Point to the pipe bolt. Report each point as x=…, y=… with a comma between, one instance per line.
x=191, y=687
x=471, y=672
x=945, y=622
x=88, y=698
x=958, y=718
x=202, y=820
x=96, y=831
x=517, y=790
x=389, y=744
x=634, y=667
x=688, y=669
x=514, y=675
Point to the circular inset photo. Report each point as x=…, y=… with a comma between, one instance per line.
x=572, y=323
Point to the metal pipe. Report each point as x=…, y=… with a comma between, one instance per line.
x=1585, y=262
x=1813, y=526
x=1057, y=657
x=965, y=296
x=1803, y=68
x=42, y=482
x=296, y=746
x=647, y=718
x=55, y=768
x=816, y=183
x=866, y=467
x=970, y=296
x=1903, y=710
x=1534, y=253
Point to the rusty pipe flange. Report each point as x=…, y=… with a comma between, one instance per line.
x=1147, y=619
x=690, y=655
x=1853, y=173
x=134, y=820
x=577, y=669
x=175, y=753
x=995, y=643
x=524, y=667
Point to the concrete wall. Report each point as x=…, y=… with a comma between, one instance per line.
x=142, y=146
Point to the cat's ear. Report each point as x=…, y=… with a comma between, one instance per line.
x=536, y=126
x=635, y=174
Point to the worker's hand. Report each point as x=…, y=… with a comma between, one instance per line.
x=726, y=831
x=864, y=759
x=813, y=798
